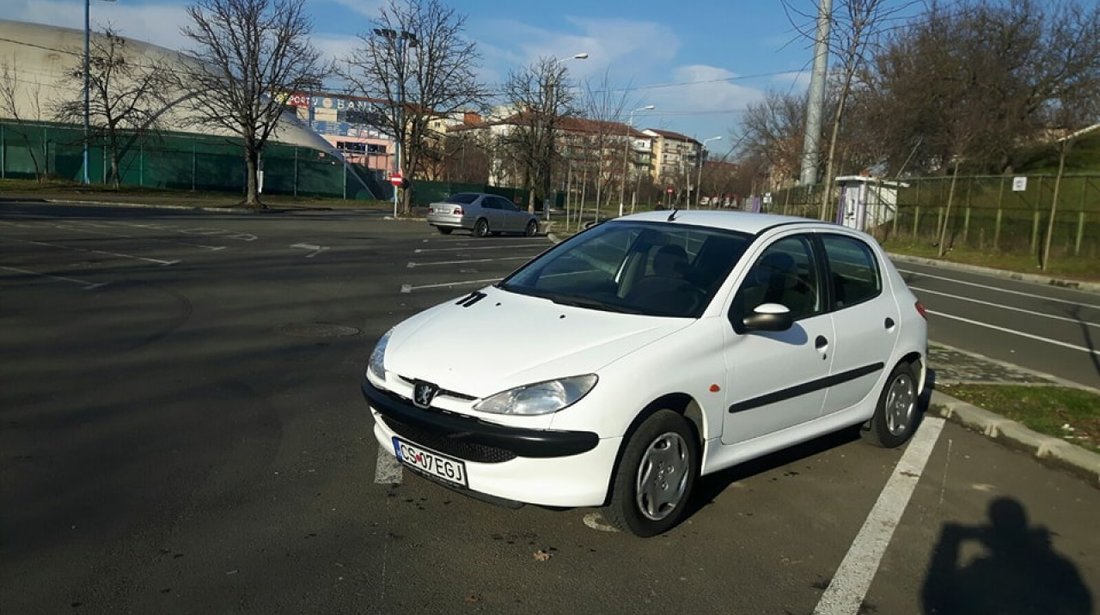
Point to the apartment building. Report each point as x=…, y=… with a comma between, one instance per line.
x=675, y=157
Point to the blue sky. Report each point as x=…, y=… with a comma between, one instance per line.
x=720, y=55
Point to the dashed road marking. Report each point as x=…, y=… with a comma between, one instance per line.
x=60, y=278
x=91, y=251
x=309, y=246
x=502, y=246
x=1029, y=336
x=1000, y=290
x=408, y=288
x=853, y=578
x=1075, y=321
x=471, y=260
x=387, y=470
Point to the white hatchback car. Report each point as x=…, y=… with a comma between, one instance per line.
x=618, y=366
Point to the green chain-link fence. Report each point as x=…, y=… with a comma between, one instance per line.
x=175, y=161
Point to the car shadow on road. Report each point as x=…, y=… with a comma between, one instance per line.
x=1006, y=566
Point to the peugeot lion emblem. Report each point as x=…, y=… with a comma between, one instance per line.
x=424, y=393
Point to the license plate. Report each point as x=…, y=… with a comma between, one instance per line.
x=433, y=464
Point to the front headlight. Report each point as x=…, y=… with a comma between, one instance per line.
x=539, y=398
x=376, y=365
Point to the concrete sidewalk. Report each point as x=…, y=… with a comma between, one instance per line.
x=954, y=366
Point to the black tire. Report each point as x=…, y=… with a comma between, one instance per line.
x=481, y=228
x=446, y=230
x=897, y=413
x=664, y=443
x=532, y=229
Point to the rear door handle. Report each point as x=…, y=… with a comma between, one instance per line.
x=889, y=323
x=820, y=342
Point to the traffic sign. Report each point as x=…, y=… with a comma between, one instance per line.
x=396, y=179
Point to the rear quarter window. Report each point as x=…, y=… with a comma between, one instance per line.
x=854, y=269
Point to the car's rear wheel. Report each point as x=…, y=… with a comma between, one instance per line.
x=897, y=414
x=655, y=476
x=532, y=229
x=481, y=228
x=446, y=230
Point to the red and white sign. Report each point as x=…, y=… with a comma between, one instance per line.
x=396, y=179
x=669, y=190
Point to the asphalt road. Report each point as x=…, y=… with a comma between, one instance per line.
x=181, y=430
x=1045, y=328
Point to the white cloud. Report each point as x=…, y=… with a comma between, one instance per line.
x=152, y=23
x=700, y=101
x=367, y=8
x=794, y=80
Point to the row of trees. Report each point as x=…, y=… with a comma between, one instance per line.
x=413, y=66
x=973, y=86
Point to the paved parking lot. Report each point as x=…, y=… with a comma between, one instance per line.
x=181, y=430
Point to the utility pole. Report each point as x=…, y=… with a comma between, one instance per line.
x=811, y=142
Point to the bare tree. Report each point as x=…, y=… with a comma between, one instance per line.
x=601, y=138
x=414, y=65
x=773, y=130
x=541, y=96
x=126, y=97
x=10, y=97
x=249, y=54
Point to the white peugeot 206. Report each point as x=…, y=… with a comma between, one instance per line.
x=620, y=365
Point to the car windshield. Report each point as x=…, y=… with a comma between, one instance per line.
x=634, y=267
x=462, y=198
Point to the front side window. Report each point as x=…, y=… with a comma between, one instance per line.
x=785, y=273
x=853, y=268
x=634, y=267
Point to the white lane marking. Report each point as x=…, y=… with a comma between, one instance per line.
x=596, y=522
x=86, y=284
x=853, y=578
x=1001, y=290
x=472, y=260
x=309, y=246
x=1005, y=307
x=77, y=229
x=387, y=470
x=1014, y=332
x=91, y=251
x=408, y=288
x=496, y=247
x=219, y=232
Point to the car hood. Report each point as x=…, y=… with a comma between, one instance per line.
x=493, y=340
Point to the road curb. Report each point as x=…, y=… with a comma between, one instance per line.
x=1091, y=287
x=1047, y=449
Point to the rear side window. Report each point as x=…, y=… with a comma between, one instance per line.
x=856, y=276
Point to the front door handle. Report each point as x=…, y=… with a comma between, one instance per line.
x=820, y=342
x=889, y=323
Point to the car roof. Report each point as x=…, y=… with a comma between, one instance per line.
x=746, y=222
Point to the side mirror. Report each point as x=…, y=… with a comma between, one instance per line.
x=768, y=317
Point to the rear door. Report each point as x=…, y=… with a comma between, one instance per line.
x=514, y=219
x=866, y=315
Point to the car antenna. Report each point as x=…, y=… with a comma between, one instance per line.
x=672, y=216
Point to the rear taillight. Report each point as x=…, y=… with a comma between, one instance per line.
x=920, y=310
x=457, y=211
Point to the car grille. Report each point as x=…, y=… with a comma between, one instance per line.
x=470, y=451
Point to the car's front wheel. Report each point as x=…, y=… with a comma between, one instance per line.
x=655, y=476
x=481, y=229
x=897, y=413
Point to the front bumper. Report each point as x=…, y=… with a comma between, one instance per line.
x=532, y=466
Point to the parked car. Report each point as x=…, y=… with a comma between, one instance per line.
x=481, y=213
x=620, y=365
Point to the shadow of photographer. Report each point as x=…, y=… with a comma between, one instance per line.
x=1018, y=572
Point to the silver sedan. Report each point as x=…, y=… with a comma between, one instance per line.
x=481, y=213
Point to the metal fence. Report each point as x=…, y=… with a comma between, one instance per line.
x=996, y=214
x=175, y=160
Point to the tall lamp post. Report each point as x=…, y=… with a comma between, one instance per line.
x=87, y=85
x=699, y=177
x=546, y=205
x=626, y=148
x=401, y=41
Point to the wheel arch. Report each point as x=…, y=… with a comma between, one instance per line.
x=681, y=403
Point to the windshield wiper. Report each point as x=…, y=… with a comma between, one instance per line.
x=592, y=304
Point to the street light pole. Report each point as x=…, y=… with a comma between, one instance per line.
x=87, y=53
x=626, y=147
x=401, y=42
x=699, y=177
x=546, y=206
